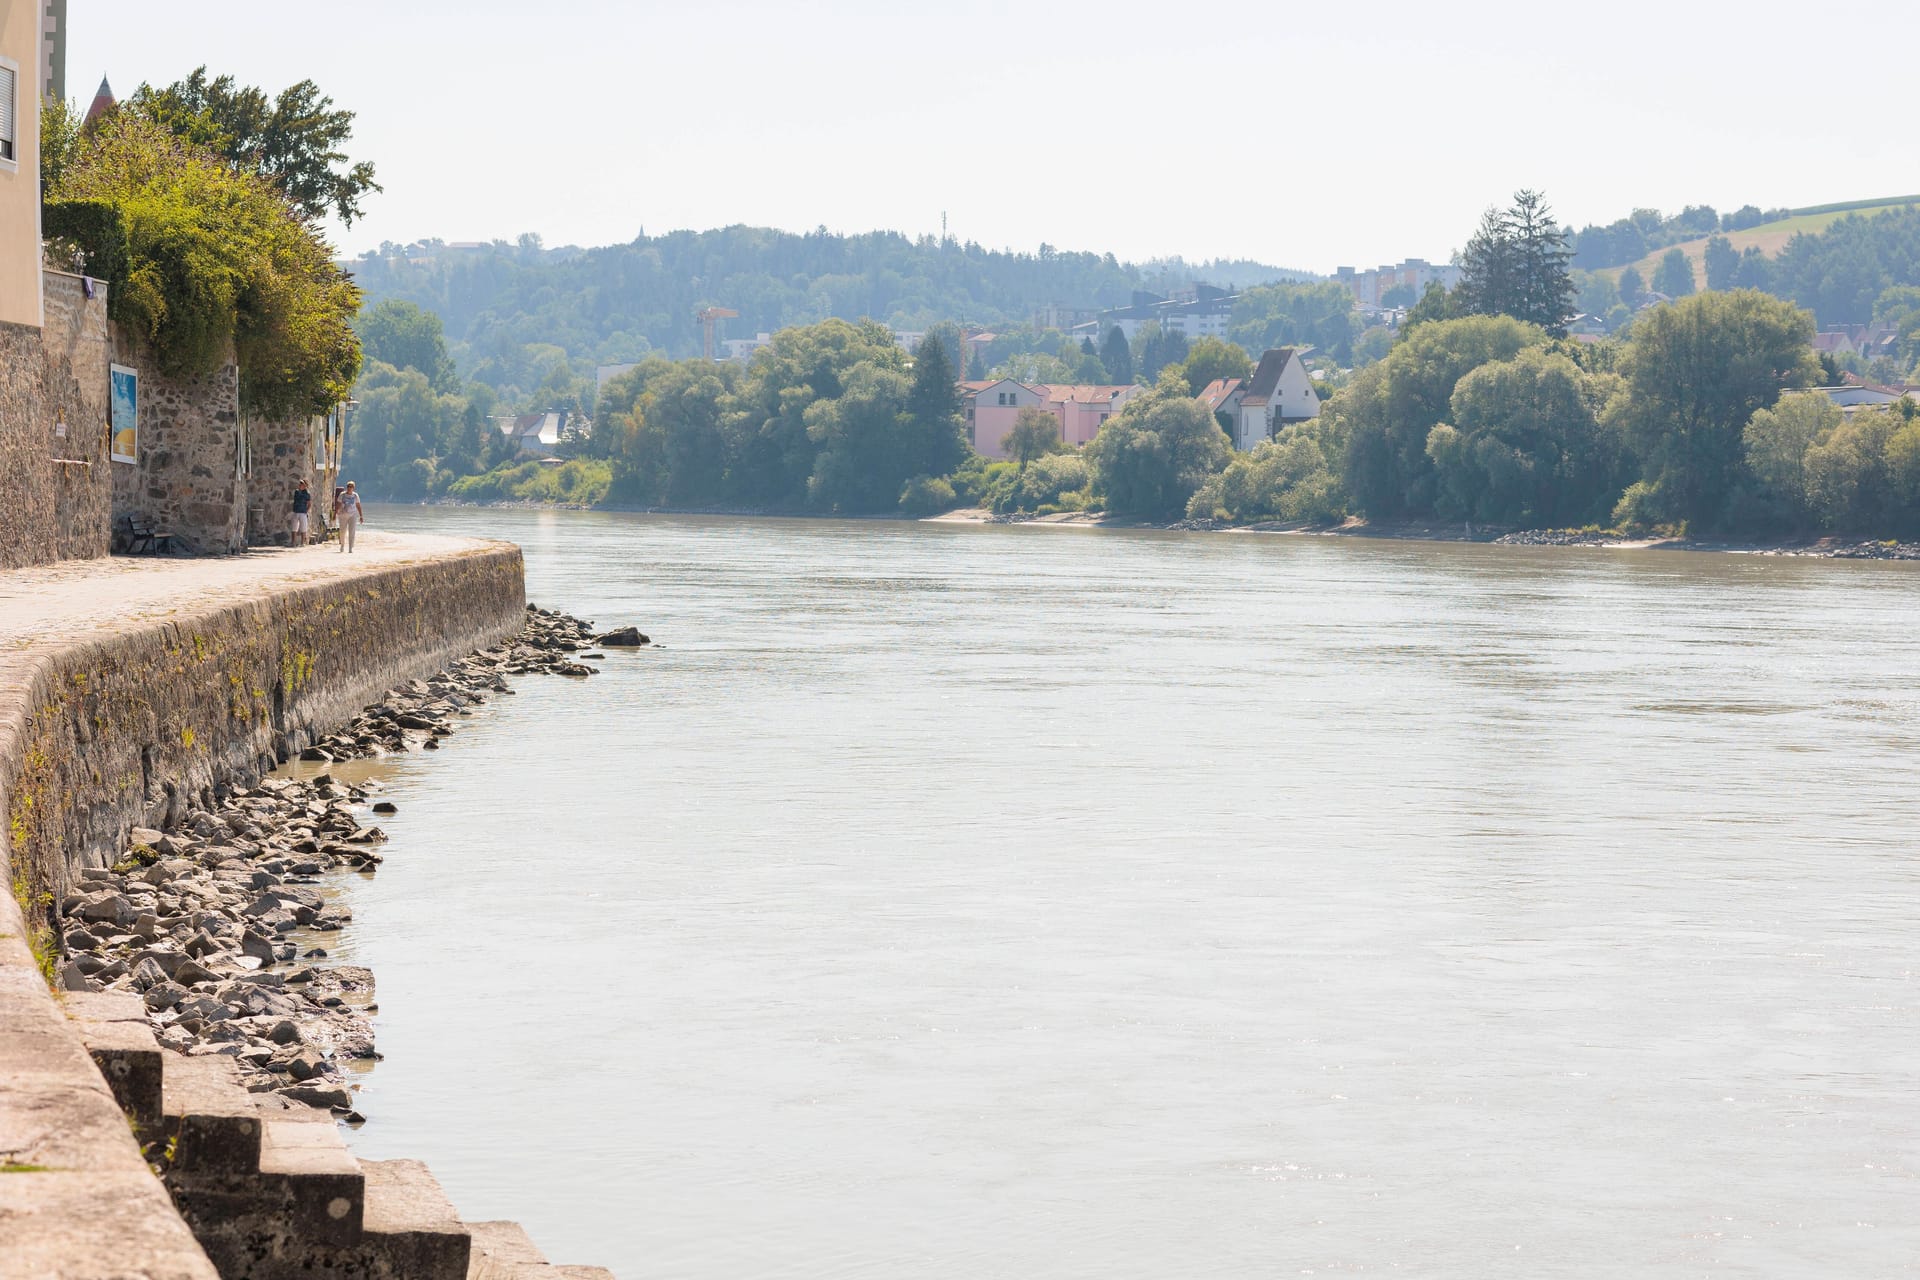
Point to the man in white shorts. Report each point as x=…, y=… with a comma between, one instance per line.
x=302, y=513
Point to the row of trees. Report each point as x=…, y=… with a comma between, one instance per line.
x=1696, y=420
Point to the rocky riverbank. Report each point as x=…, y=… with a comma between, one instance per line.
x=215, y=924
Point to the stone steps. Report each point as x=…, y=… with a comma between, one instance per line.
x=504, y=1251
x=270, y=1189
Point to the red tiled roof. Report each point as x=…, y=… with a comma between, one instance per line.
x=1218, y=391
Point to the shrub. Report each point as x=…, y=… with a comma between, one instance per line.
x=927, y=496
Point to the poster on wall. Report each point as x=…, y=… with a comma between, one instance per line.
x=125, y=433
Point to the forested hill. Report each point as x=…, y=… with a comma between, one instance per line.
x=617, y=303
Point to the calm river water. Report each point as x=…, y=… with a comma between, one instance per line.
x=952, y=902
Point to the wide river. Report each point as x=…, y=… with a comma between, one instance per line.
x=941, y=902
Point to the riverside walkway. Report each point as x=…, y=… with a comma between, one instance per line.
x=64, y=600
x=76, y=1198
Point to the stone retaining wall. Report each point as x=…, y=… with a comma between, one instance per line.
x=125, y=727
x=55, y=489
x=187, y=481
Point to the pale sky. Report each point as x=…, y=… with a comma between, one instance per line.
x=1302, y=135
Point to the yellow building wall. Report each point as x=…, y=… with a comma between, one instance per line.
x=20, y=178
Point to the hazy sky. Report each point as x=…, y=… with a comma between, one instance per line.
x=1303, y=135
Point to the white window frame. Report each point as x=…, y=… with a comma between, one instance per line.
x=12, y=164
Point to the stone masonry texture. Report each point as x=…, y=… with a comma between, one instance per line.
x=188, y=481
x=57, y=488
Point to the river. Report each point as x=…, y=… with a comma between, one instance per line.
x=954, y=901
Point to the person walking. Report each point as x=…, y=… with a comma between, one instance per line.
x=302, y=514
x=347, y=514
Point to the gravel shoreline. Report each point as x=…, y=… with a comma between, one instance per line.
x=200, y=921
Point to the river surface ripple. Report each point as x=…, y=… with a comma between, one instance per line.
x=1010, y=902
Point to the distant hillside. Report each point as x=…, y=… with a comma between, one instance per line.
x=617, y=303
x=1770, y=238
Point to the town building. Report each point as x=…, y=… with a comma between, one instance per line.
x=740, y=350
x=1279, y=394
x=53, y=50
x=1222, y=397
x=536, y=435
x=1371, y=287
x=992, y=407
x=1201, y=312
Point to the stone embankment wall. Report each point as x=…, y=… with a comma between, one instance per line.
x=55, y=487
x=128, y=730
x=124, y=726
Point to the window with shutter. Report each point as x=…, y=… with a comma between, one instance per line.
x=9, y=81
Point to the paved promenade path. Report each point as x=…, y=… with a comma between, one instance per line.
x=64, y=601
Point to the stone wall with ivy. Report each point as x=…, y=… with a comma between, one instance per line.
x=55, y=484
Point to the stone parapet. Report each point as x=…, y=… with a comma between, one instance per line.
x=125, y=691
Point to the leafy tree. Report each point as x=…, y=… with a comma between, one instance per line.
x=927, y=496
x=402, y=335
x=1864, y=475
x=59, y=137
x=1437, y=303
x=1211, y=359
x=1117, y=356
x=773, y=450
x=1055, y=482
x=1722, y=262
x=292, y=140
x=1035, y=434
x=1777, y=440
x=1386, y=413
x=1632, y=287
x=1696, y=373
x=1290, y=478
x=1151, y=457
x=1526, y=446
x=1674, y=275
x=1373, y=345
x=208, y=264
x=684, y=407
x=861, y=466
x=1754, y=272
x=1595, y=293
x=1400, y=295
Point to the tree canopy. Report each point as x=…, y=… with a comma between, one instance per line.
x=1695, y=374
x=293, y=139
x=1516, y=265
x=208, y=262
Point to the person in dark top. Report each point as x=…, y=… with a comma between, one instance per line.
x=302, y=517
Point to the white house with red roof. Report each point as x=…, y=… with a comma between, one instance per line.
x=1279, y=394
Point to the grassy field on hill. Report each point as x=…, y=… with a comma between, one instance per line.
x=1769, y=237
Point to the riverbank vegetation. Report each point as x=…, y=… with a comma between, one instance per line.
x=1478, y=407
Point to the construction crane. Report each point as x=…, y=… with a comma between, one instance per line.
x=709, y=318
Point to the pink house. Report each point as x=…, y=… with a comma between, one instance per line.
x=991, y=408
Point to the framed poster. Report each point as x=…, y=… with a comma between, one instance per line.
x=124, y=430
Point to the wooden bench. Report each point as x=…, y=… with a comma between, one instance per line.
x=143, y=538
